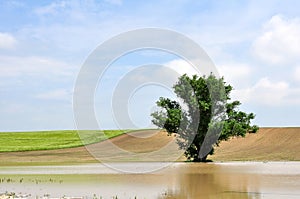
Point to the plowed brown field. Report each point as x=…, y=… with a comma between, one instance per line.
x=268, y=144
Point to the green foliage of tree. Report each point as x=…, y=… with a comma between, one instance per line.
x=204, y=115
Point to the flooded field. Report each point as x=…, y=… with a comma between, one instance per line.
x=246, y=180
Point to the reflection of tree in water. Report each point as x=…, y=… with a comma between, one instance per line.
x=212, y=186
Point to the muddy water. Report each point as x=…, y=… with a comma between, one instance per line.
x=179, y=180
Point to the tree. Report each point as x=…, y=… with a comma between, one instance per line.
x=203, y=116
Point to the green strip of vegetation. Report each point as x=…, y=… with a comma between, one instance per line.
x=46, y=140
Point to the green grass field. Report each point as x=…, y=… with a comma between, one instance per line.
x=46, y=140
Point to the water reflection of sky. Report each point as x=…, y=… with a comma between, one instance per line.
x=180, y=180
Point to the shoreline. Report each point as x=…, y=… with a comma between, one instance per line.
x=144, y=167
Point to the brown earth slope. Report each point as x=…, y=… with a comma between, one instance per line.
x=139, y=142
x=269, y=144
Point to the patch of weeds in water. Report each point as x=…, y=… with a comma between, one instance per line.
x=22, y=180
x=13, y=195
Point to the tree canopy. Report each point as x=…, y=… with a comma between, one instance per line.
x=203, y=115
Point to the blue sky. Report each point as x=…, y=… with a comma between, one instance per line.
x=254, y=44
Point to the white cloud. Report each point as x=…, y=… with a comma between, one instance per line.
x=7, y=41
x=114, y=2
x=234, y=72
x=74, y=12
x=15, y=4
x=11, y=108
x=13, y=66
x=51, y=9
x=279, y=42
x=181, y=67
x=297, y=74
x=59, y=94
x=269, y=93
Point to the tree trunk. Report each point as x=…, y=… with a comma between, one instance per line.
x=199, y=159
x=203, y=159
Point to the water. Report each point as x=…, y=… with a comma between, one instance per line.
x=246, y=180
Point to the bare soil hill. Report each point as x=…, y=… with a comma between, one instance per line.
x=140, y=143
x=268, y=144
